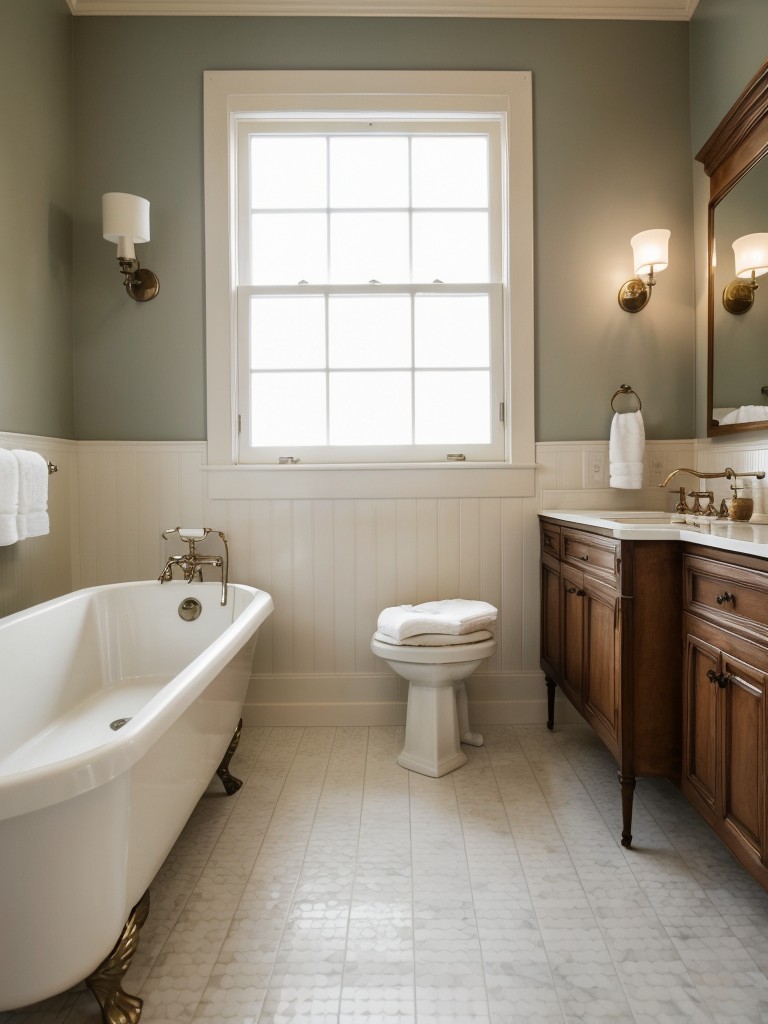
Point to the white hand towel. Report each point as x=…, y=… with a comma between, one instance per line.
x=626, y=449
x=455, y=616
x=9, y=497
x=32, y=518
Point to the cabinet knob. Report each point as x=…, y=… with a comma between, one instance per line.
x=712, y=675
x=574, y=590
x=584, y=558
x=718, y=677
x=726, y=598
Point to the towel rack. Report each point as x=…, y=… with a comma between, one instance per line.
x=625, y=389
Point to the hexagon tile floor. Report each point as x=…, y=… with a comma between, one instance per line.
x=338, y=888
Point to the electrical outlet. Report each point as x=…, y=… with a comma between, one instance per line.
x=657, y=467
x=595, y=468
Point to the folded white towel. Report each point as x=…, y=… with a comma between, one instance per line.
x=626, y=449
x=32, y=517
x=436, y=639
x=9, y=497
x=455, y=616
x=746, y=414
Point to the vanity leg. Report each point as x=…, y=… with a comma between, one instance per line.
x=118, y=1006
x=230, y=783
x=627, y=783
x=551, y=687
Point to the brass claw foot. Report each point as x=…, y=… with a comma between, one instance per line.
x=117, y=1006
x=230, y=783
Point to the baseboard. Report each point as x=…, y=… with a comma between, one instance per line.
x=379, y=699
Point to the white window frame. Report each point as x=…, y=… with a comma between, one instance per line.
x=231, y=95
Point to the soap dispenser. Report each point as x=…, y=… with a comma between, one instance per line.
x=740, y=509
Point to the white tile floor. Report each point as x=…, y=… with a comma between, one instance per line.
x=337, y=888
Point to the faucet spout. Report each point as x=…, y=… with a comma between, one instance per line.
x=727, y=474
x=694, y=472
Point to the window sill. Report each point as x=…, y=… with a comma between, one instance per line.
x=457, y=480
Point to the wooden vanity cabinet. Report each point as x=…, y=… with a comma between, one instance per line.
x=725, y=630
x=611, y=615
x=550, y=600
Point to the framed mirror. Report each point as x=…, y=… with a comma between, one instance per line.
x=737, y=365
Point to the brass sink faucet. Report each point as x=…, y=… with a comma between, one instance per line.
x=740, y=505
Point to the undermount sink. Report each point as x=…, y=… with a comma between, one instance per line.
x=639, y=518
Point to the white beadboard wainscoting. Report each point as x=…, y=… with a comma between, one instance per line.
x=331, y=564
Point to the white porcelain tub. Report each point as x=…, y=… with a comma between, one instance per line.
x=87, y=813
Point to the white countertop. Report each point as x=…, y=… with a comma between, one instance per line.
x=746, y=538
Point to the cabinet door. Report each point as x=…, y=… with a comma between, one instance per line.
x=700, y=698
x=572, y=651
x=550, y=617
x=743, y=759
x=602, y=648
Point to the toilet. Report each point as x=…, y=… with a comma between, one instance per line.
x=436, y=667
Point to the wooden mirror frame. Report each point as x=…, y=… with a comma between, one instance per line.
x=736, y=145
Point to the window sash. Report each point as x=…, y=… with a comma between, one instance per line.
x=342, y=454
x=373, y=123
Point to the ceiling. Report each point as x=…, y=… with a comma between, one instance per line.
x=642, y=10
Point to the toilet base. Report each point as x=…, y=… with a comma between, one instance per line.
x=436, y=721
x=435, y=769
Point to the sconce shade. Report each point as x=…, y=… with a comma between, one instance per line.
x=751, y=254
x=651, y=250
x=125, y=220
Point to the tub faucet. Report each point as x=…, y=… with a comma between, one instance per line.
x=191, y=561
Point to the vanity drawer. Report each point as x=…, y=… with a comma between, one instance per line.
x=591, y=552
x=730, y=595
x=550, y=540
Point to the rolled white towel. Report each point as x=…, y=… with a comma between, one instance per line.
x=626, y=449
x=9, y=497
x=455, y=616
x=32, y=517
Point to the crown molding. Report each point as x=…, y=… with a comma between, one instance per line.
x=610, y=10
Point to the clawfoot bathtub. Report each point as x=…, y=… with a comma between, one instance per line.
x=115, y=712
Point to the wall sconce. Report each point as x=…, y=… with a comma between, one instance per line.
x=650, y=249
x=125, y=220
x=751, y=258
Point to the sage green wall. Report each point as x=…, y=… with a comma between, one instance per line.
x=729, y=42
x=36, y=376
x=612, y=157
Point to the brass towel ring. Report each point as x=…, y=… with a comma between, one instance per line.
x=625, y=389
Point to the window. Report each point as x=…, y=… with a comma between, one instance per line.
x=371, y=315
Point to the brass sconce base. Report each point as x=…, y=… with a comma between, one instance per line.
x=141, y=284
x=634, y=295
x=738, y=296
